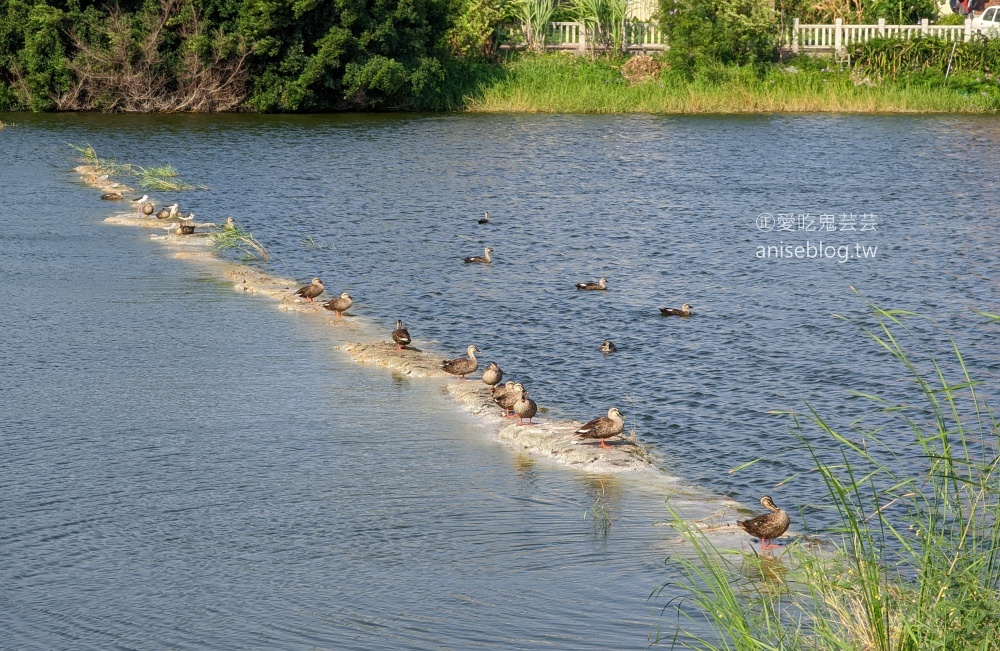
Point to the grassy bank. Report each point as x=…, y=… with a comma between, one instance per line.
x=566, y=83
x=915, y=563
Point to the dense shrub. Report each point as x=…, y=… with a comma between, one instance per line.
x=703, y=32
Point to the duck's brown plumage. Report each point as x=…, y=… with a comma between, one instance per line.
x=492, y=376
x=685, y=310
x=769, y=526
x=599, y=285
x=112, y=196
x=604, y=427
x=186, y=229
x=147, y=209
x=311, y=291
x=608, y=346
x=507, y=399
x=525, y=407
x=461, y=367
x=163, y=213
x=340, y=304
x=482, y=259
x=401, y=335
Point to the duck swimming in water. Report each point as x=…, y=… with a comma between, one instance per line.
x=485, y=219
x=482, y=259
x=672, y=311
x=401, y=335
x=461, y=367
x=601, y=284
x=492, y=376
x=608, y=346
x=604, y=427
x=767, y=527
x=311, y=291
x=340, y=304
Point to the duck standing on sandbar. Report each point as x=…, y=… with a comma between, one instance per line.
x=461, y=366
x=600, y=285
x=229, y=224
x=340, y=304
x=311, y=291
x=163, y=213
x=492, y=376
x=673, y=311
x=508, y=398
x=481, y=259
x=525, y=407
x=112, y=196
x=767, y=527
x=604, y=427
x=401, y=335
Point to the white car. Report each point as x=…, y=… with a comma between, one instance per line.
x=988, y=22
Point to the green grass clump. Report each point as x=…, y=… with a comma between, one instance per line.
x=162, y=177
x=915, y=563
x=241, y=240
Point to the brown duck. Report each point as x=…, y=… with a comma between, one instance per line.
x=461, y=367
x=340, y=304
x=525, y=407
x=601, y=284
x=401, y=335
x=186, y=229
x=492, y=376
x=311, y=291
x=604, y=427
x=112, y=196
x=608, y=346
x=508, y=399
x=481, y=259
x=767, y=527
x=672, y=311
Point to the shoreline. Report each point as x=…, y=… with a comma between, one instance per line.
x=367, y=344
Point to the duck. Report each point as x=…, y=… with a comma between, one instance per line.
x=672, y=311
x=401, y=335
x=604, y=427
x=185, y=229
x=767, y=527
x=508, y=399
x=482, y=259
x=485, y=219
x=499, y=391
x=112, y=196
x=601, y=284
x=163, y=213
x=525, y=407
x=340, y=304
x=608, y=346
x=461, y=367
x=311, y=291
x=148, y=209
x=229, y=224
x=492, y=376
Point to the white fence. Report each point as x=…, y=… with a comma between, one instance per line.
x=639, y=37
x=834, y=38
x=646, y=36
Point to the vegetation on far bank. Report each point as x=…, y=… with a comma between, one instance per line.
x=307, y=56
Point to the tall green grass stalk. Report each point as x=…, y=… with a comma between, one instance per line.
x=534, y=16
x=915, y=561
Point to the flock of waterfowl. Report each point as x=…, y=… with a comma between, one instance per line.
x=512, y=397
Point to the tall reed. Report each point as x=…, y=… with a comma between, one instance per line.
x=915, y=561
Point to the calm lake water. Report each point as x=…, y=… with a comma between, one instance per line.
x=185, y=467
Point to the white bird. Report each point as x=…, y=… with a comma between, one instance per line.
x=189, y=217
x=139, y=202
x=173, y=211
x=167, y=229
